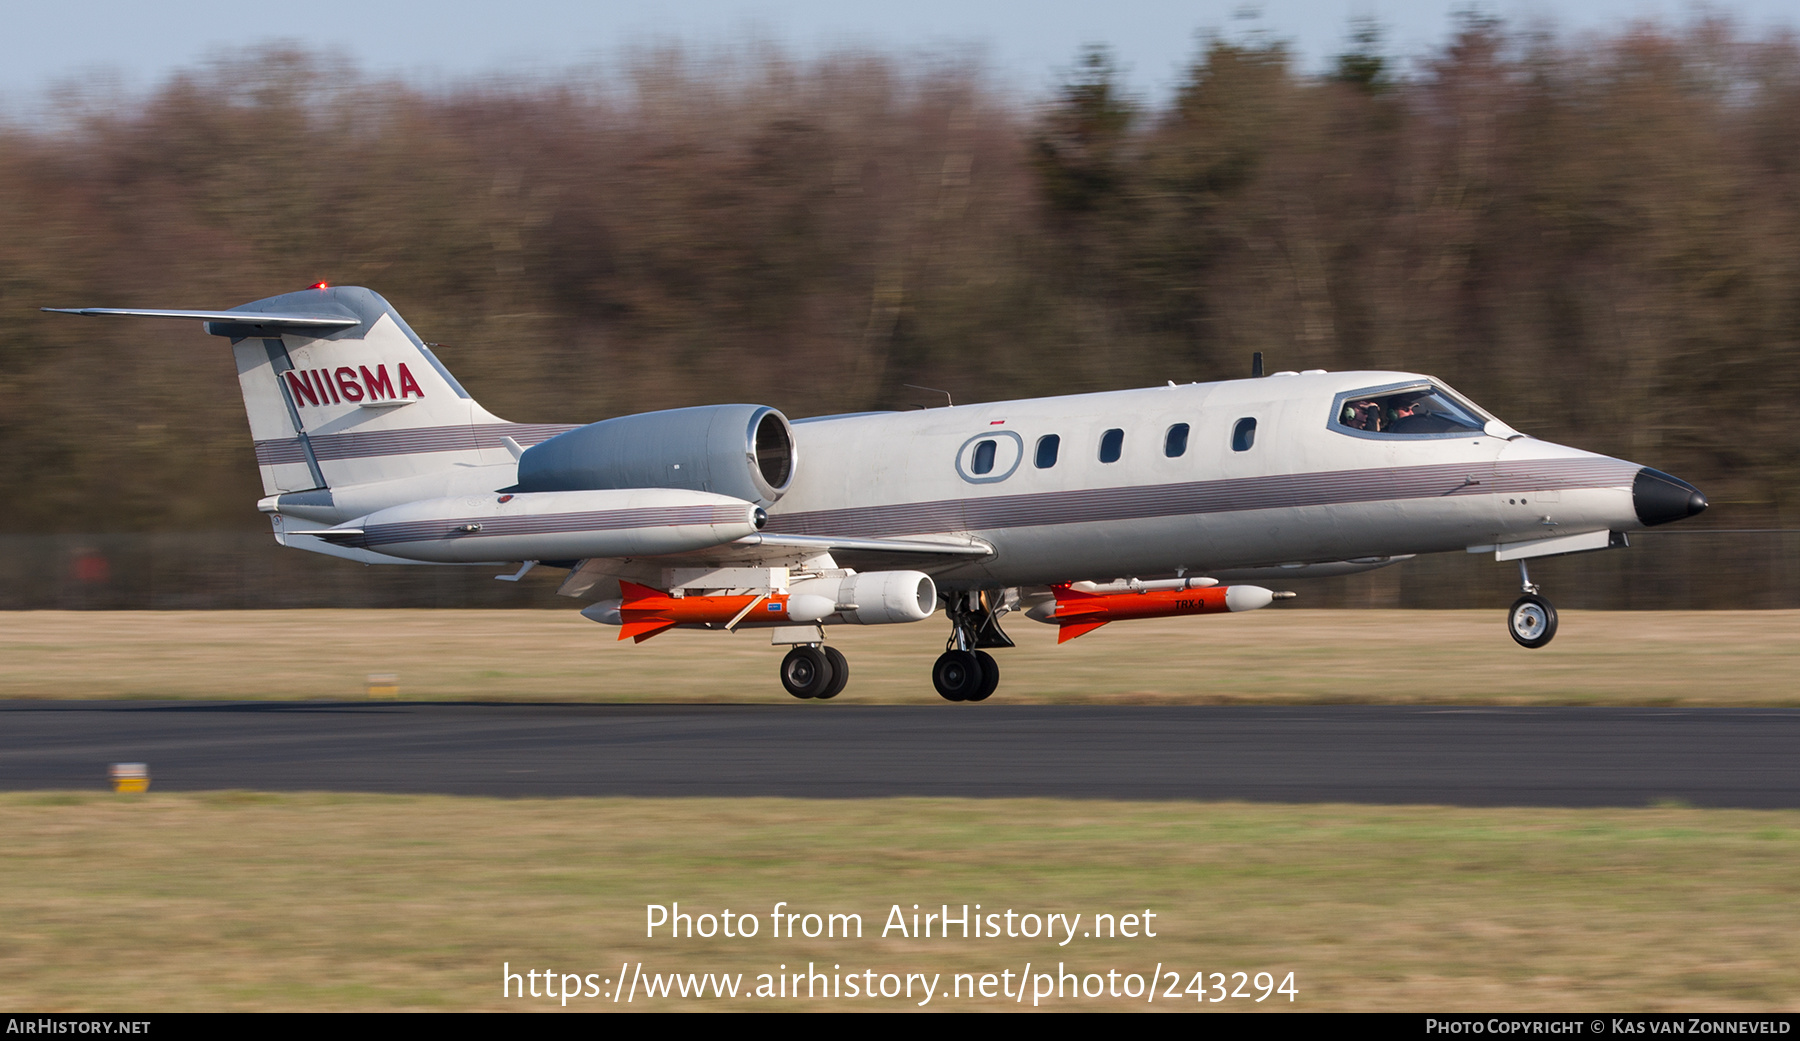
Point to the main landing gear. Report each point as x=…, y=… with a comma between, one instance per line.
x=1532, y=619
x=965, y=672
x=965, y=675
x=814, y=671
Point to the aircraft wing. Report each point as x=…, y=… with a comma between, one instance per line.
x=598, y=578
x=915, y=551
x=918, y=554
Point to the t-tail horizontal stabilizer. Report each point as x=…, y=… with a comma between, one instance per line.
x=265, y=320
x=340, y=392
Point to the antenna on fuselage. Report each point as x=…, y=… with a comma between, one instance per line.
x=934, y=390
x=1256, y=365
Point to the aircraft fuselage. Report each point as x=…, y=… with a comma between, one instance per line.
x=1074, y=511
x=1304, y=491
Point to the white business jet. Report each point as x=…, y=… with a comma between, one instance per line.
x=1075, y=511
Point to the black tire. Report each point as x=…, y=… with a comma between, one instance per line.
x=805, y=672
x=990, y=676
x=840, y=674
x=1531, y=621
x=956, y=675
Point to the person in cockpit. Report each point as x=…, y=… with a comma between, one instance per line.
x=1362, y=415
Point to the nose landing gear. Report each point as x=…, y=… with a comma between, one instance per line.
x=1532, y=619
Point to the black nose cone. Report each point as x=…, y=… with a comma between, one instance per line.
x=1659, y=498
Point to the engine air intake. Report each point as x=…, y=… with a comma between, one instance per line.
x=774, y=449
x=744, y=451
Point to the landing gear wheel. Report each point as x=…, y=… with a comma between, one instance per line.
x=1532, y=621
x=840, y=673
x=806, y=672
x=990, y=676
x=957, y=675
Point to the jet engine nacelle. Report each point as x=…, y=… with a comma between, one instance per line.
x=871, y=598
x=552, y=525
x=743, y=451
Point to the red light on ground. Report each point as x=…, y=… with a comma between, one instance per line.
x=321, y=285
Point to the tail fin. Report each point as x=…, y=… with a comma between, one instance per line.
x=365, y=403
x=340, y=391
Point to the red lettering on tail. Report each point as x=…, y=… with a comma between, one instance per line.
x=298, y=387
x=377, y=383
x=407, y=383
x=346, y=382
x=332, y=387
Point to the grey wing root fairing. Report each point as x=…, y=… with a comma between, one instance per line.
x=875, y=554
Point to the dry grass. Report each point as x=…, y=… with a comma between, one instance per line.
x=1273, y=656
x=253, y=901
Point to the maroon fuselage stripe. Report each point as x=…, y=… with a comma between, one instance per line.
x=411, y=441
x=1095, y=505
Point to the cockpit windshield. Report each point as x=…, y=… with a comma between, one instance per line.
x=1415, y=410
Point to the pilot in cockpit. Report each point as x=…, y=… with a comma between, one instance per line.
x=1362, y=415
x=1412, y=417
x=1411, y=413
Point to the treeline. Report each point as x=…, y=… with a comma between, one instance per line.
x=1599, y=241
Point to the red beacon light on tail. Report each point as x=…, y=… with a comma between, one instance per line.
x=321, y=285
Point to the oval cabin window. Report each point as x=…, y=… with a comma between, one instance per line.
x=984, y=458
x=1046, y=451
x=1243, y=435
x=990, y=456
x=1112, y=444
x=1175, y=441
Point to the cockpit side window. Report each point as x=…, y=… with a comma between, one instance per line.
x=1423, y=409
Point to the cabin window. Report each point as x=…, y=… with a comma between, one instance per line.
x=1112, y=443
x=984, y=458
x=1175, y=441
x=990, y=456
x=1243, y=435
x=1046, y=450
x=1416, y=410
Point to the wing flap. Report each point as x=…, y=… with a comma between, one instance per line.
x=829, y=544
x=599, y=578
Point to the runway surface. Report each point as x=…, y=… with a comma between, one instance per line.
x=1369, y=754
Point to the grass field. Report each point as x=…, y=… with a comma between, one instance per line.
x=254, y=901
x=1274, y=656
x=241, y=900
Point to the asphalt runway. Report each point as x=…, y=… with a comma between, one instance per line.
x=1366, y=754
